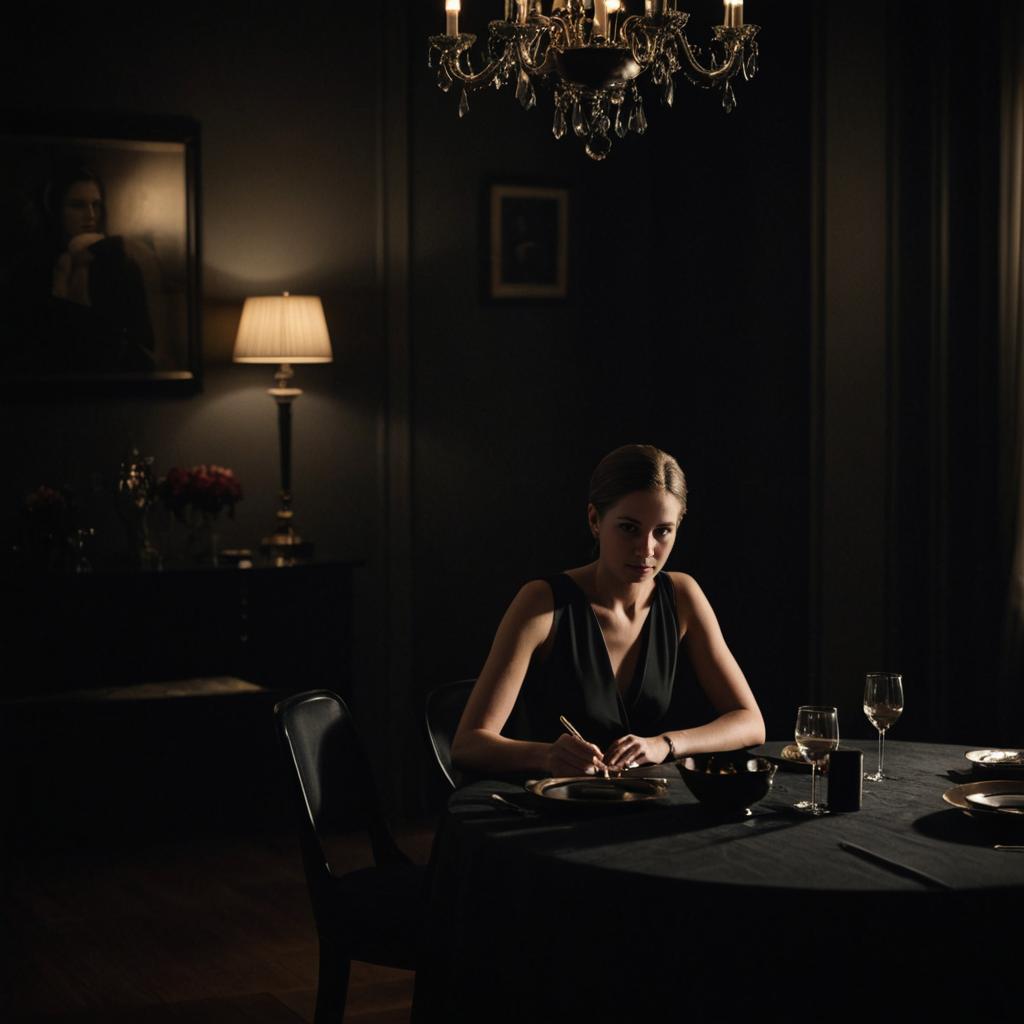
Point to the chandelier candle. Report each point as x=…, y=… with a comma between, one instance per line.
x=733, y=13
x=451, y=17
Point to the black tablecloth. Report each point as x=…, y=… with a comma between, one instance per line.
x=662, y=910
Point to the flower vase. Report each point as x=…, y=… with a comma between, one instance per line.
x=203, y=541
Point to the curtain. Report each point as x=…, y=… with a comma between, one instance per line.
x=1011, y=333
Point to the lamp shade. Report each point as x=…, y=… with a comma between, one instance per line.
x=283, y=329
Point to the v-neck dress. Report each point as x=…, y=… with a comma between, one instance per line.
x=576, y=678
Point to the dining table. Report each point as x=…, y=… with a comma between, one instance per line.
x=661, y=910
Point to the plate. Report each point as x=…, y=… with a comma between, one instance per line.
x=588, y=791
x=1002, y=760
x=791, y=753
x=784, y=753
x=1005, y=803
x=1004, y=797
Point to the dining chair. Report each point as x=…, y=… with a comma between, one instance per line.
x=442, y=711
x=372, y=914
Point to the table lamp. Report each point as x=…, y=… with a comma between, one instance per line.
x=284, y=329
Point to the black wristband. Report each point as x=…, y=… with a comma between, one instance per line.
x=671, y=755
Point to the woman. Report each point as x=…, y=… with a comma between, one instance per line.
x=77, y=300
x=598, y=644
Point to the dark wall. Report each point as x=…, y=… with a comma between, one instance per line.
x=679, y=329
x=687, y=327
x=905, y=504
x=949, y=574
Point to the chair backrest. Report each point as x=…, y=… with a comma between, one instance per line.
x=331, y=781
x=443, y=709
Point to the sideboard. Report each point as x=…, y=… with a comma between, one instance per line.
x=287, y=628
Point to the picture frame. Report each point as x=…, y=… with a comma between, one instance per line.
x=527, y=252
x=99, y=284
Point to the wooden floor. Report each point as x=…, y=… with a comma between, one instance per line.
x=194, y=932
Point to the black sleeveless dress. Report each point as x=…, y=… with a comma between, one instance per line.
x=576, y=679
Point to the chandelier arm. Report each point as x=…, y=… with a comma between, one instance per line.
x=526, y=59
x=483, y=77
x=635, y=33
x=710, y=75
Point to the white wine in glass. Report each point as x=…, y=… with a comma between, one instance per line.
x=816, y=735
x=883, y=704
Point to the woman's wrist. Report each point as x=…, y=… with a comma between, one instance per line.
x=671, y=753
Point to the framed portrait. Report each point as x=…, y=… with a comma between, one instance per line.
x=99, y=279
x=528, y=242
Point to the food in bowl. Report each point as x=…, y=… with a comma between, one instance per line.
x=727, y=784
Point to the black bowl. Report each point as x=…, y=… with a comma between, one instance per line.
x=727, y=784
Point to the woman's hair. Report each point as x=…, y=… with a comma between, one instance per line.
x=67, y=173
x=635, y=467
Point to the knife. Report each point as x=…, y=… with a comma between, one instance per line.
x=894, y=865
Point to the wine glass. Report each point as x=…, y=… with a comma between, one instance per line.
x=817, y=735
x=883, y=704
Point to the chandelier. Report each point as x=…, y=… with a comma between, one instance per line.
x=594, y=52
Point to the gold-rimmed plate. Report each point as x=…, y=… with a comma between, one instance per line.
x=997, y=761
x=1001, y=803
x=591, y=792
x=1003, y=797
x=784, y=753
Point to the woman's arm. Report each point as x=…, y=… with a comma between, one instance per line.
x=478, y=744
x=739, y=722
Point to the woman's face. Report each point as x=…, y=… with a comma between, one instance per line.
x=82, y=209
x=637, y=533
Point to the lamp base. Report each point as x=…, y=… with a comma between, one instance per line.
x=286, y=551
x=286, y=547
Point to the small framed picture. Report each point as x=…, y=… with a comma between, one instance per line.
x=99, y=279
x=528, y=243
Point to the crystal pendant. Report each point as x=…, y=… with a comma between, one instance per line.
x=464, y=104
x=444, y=80
x=637, y=119
x=620, y=124
x=558, y=128
x=579, y=120
x=598, y=146
x=521, y=83
x=728, y=98
x=750, y=62
x=524, y=92
x=669, y=94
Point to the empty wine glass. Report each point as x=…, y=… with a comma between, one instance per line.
x=817, y=735
x=883, y=704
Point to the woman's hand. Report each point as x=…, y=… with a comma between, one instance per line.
x=570, y=756
x=71, y=270
x=636, y=750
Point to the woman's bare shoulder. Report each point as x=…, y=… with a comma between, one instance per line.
x=688, y=597
x=527, y=620
x=534, y=598
x=685, y=586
